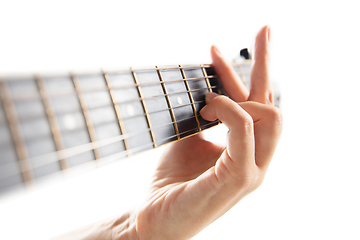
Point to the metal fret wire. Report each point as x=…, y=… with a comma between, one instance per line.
x=206, y=77
x=94, y=143
x=129, y=117
x=117, y=110
x=16, y=132
x=169, y=103
x=89, y=124
x=245, y=63
x=64, y=93
x=134, y=116
x=54, y=125
x=131, y=85
x=69, y=152
x=145, y=109
x=133, y=100
x=207, y=81
x=122, y=102
x=191, y=98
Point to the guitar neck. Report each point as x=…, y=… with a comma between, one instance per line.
x=53, y=123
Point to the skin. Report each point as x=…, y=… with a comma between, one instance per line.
x=196, y=181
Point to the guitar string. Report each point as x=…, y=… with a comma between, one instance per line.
x=190, y=79
x=55, y=156
x=34, y=116
x=131, y=134
x=138, y=99
x=167, y=109
x=124, y=136
x=135, y=100
x=69, y=152
x=105, y=142
x=168, y=68
x=246, y=63
x=242, y=64
x=35, y=138
x=164, y=109
x=105, y=88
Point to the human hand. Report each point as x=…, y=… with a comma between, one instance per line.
x=197, y=181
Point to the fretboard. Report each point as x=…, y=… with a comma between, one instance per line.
x=53, y=123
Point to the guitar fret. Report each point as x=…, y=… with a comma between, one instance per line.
x=103, y=119
x=144, y=107
x=92, y=145
x=191, y=98
x=169, y=68
x=54, y=125
x=169, y=103
x=65, y=93
x=55, y=122
x=85, y=111
x=156, y=96
x=166, y=109
x=151, y=83
x=206, y=77
x=117, y=111
x=16, y=132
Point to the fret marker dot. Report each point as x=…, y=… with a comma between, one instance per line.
x=179, y=100
x=69, y=122
x=130, y=110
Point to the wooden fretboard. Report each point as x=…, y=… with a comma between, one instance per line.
x=52, y=123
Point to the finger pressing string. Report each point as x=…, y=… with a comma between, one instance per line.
x=240, y=145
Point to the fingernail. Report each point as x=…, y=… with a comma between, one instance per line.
x=268, y=34
x=217, y=51
x=210, y=96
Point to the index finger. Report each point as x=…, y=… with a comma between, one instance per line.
x=230, y=80
x=239, y=154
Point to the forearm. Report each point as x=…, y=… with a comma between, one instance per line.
x=117, y=228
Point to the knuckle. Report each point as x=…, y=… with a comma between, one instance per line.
x=246, y=122
x=260, y=180
x=219, y=101
x=274, y=115
x=254, y=180
x=241, y=178
x=248, y=181
x=221, y=98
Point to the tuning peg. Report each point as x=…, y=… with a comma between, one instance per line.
x=244, y=53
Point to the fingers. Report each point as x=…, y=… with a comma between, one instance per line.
x=260, y=89
x=265, y=122
x=267, y=129
x=254, y=130
x=238, y=158
x=230, y=80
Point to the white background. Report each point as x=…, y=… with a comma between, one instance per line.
x=312, y=187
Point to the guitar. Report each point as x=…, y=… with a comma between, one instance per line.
x=49, y=124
